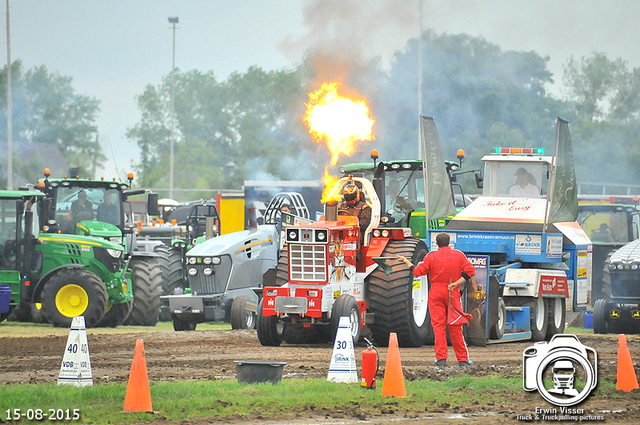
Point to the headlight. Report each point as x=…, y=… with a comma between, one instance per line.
x=207, y=271
x=216, y=260
x=620, y=267
x=612, y=266
x=207, y=260
x=385, y=233
x=193, y=272
x=116, y=239
x=376, y=233
x=191, y=260
x=114, y=253
x=634, y=267
x=321, y=235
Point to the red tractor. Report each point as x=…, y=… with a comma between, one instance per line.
x=327, y=270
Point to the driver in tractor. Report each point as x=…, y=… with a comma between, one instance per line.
x=81, y=208
x=354, y=205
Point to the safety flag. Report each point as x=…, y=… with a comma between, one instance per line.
x=438, y=197
x=455, y=316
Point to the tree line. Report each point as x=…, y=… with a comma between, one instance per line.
x=249, y=126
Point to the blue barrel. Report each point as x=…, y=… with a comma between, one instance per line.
x=5, y=298
x=588, y=320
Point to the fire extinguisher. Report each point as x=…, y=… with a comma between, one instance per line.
x=370, y=366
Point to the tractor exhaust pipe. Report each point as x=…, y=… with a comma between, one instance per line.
x=331, y=210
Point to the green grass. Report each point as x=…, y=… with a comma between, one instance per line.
x=577, y=331
x=103, y=404
x=14, y=329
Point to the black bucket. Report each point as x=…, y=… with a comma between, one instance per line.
x=257, y=371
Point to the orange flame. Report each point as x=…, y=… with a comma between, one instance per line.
x=339, y=121
x=329, y=181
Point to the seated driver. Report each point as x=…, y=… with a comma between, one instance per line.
x=523, y=188
x=353, y=205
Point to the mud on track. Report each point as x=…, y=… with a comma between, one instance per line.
x=210, y=355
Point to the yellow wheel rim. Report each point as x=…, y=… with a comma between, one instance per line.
x=72, y=300
x=38, y=306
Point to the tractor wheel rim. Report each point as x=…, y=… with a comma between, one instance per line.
x=72, y=300
x=540, y=313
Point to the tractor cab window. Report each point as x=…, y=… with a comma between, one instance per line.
x=608, y=225
x=76, y=204
x=516, y=179
x=404, y=192
x=7, y=233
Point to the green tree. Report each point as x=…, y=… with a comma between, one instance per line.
x=593, y=83
x=47, y=110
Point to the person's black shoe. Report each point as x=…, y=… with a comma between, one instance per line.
x=441, y=362
x=465, y=363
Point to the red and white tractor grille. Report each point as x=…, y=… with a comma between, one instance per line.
x=307, y=263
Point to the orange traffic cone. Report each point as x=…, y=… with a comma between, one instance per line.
x=138, y=397
x=627, y=379
x=393, y=381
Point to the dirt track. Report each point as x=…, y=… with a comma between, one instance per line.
x=211, y=355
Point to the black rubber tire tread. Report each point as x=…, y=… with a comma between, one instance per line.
x=37, y=316
x=267, y=329
x=238, y=314
x=600, y=319
x=116, y=315
x=541, y=333
x=389, y=297
x=92, y=285
x=3, y=316
x=184, y=325
x=497, y=330
x=147, y=290
x=552, y=329
x=170, y=260
x=342, y=306
x=20, y=313
x=282, y=270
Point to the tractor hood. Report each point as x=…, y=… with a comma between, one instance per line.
x=98, y=229
x=627, y=255
x=84, y=241
x=232, y=243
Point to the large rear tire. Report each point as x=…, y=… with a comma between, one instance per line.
x=170, y=260
x=392, y=298
x=241, y=318
x=557, y=316
x=539, y=319
x=147, y=290
x=71, y=293
x=116, y=315
x=270, y=329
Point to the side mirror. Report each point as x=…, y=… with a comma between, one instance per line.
x=479, y=179
x=152, y=204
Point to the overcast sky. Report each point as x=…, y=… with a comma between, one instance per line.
x=114, y=48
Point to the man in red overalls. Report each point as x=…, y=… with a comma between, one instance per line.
x=447, y=269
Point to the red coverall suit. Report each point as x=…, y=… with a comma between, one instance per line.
x=443, y=266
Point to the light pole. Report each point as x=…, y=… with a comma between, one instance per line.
x=9, y=107
x=172, y=20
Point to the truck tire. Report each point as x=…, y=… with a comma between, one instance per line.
x=269, y=328
x=116, y=315
x=183, y=325
x=600, y=317
x=346, y=305
x=557, y=316
x=241, y=318
x=539, y=319
x=170, y=260
x=71, y=293
x=497, y=330
x=391, y=298
x=147, y=290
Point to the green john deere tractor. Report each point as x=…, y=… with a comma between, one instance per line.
x=68, y=275
x=101, y=209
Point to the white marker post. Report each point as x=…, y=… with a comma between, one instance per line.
x=76, y=365
x=343, y=360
